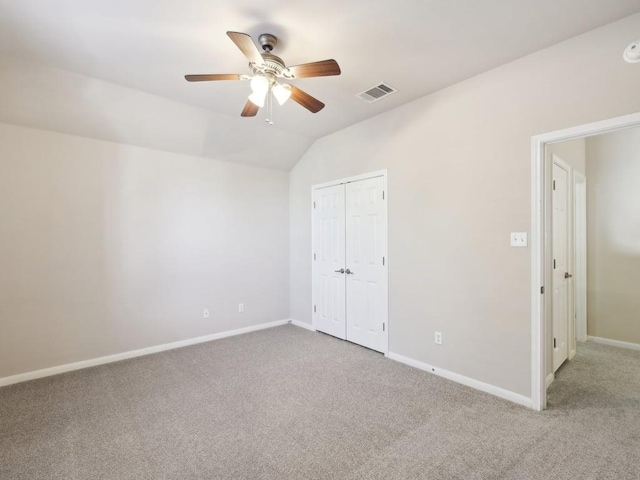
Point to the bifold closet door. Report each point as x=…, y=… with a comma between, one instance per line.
x=329, y=258
x=366, y=278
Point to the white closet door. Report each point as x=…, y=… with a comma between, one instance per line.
x=329, y=252
x=366, y=274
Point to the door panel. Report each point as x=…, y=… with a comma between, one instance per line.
x=560, y=252
x=367, y=284
x=329, y=251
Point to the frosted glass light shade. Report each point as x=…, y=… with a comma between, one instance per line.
x=259, y=84
x=257, y=98
x=282, y=93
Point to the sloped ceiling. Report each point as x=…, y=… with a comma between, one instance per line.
x=113, y=69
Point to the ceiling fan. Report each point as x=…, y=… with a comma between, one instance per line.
x=266, y=69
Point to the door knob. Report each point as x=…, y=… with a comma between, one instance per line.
x=566, y=275
x=348, y=272
x=340, y=271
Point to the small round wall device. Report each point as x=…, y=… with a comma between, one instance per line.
x=632, y=52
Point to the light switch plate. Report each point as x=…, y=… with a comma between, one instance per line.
x=519, y=239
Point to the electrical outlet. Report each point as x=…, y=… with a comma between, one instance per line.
x=205, y=313
x=438, y=338
x=241, y=307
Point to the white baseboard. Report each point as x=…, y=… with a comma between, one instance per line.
x=550, y=378
x=614, y=343
x=300, y=324
x=469, y=382
x=69, y=367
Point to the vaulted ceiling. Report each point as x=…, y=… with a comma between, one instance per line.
x=113, y=69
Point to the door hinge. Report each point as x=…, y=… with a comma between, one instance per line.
x=314, y=256
x=383, y=261
x=314, y=309
x=554, y=184
x=554, y=343
x=383, y=194
x=542, y=290
x=314, y=204
x=383, y=326
x=554, y=263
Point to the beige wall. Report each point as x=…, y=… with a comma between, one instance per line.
x=613, y=206
x=106, y=248
x=459, y=164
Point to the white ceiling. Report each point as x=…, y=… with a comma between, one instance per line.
x=417, y=46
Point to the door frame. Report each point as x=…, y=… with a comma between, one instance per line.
x=580, y=257
x=541, y=261
x=332, y=183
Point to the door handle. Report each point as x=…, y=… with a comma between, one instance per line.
x=348, y=272
x=340, y=271
x=567, y=275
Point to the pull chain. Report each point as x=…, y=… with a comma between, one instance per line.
x=269, y=106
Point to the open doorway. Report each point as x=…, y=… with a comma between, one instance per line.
x=586, y=257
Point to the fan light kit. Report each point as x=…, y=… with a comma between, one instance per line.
x=632, y=52
x=266, y=69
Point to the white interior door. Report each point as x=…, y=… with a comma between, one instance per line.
x=560, y=251
x=329, y=260
x=366, y=270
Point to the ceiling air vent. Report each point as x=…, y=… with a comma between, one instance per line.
x=377, y=92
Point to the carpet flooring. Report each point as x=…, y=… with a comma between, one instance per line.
x=286, y=403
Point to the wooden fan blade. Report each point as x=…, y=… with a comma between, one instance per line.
x=215, y=76
x=307, y=101
x=250, y=109
x=245, y=43
x=324, y=68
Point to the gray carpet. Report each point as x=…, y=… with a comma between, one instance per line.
x=286, y=403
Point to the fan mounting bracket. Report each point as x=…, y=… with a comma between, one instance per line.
x=267, y=41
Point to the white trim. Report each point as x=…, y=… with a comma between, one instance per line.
x=614, y=343
x=355, y=178
x=300, y=324
x=550, y=378
x=539, y=245
x=469, y=382
x=580, y=260
x=538, y=326
x=313, y=262
x=364, y=176
x=69, y=367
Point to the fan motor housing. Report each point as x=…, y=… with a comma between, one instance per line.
x=273, y=65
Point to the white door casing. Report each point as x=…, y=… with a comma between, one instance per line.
x=329, y=257
x=580, y=236
x=366, y=273
x=540, y=241
x=560, y=252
